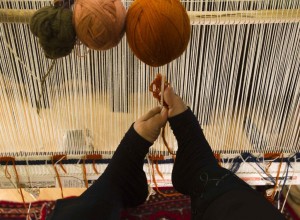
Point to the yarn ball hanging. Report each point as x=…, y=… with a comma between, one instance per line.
x=99, y=24
x=158, y=31
x=54, y=28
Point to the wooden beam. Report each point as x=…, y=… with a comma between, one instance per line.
x=244, y=17
x=16, y=15
x=196, y=17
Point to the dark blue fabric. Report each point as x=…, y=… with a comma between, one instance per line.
x=216, y=193
x=123, y=184
x=197, y=173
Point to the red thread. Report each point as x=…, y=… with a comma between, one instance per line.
x=272, y=196
x=155, y=88
x=218, y=158
x=55, y=159
x=8, y=176
x=154, y=159
x=84, y=173
x=93, y=157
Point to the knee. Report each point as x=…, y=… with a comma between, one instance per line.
x=181, y=178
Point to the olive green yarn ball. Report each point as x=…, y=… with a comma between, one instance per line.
x=54, y=28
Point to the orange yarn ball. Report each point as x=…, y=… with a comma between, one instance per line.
x=158, y=31
x=99, y=24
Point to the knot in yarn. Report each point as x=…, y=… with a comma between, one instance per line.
x=54, y=28
x=158, y=31
x=99, y=24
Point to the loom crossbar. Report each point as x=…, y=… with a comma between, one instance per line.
x=196, y=17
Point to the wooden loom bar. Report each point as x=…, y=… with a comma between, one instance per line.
x=16, y=15
x=244, y=17
x=196, y=17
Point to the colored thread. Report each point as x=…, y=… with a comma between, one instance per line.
x=235, y=166
x=157, y=87
x=272, y=196
x=43, y=86
x=155, y=159
x=218, y=158
x=269, y=156
x=6, y=172
x=93, y=157
x=8, y=175
x=272, y=155
x=158, y=171
x=256, y=160
x=277, y=176
x=58, y=159
x=84, y=173
x=156, y=185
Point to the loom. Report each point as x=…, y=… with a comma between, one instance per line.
x=240, y=75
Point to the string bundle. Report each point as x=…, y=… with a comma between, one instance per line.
x=99, y=24
x=157, y=31
x=54, y=28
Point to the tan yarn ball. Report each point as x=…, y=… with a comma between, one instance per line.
x=158, y=31
x=99, y=24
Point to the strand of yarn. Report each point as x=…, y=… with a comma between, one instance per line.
x=58, y=159
x=43, y=84
x=84, y=173
x=157, y=188
x=94, y=157
x=8, y=175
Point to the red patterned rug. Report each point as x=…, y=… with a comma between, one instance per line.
x=161, y=207
x=16, y=211
x=157, y=207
